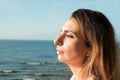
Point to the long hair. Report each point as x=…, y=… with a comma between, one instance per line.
x=98, y=35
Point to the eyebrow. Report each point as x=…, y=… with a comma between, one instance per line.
x=67, y=31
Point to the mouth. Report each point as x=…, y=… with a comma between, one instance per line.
x=59, y=52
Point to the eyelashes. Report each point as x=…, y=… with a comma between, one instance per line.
x=66, y=34
x=69, y=36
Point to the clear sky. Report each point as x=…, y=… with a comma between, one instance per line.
x=43, y=19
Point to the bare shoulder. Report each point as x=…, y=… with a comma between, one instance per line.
x=91, y=77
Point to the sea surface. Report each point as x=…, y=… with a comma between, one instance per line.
x=30, y=60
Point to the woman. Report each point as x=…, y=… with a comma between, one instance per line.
x=87, y=45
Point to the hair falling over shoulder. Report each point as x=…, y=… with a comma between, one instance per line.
x=99, y=37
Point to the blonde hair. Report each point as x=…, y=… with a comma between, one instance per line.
x=98, y=35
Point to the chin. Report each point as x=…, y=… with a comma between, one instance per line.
x=63, y=60
x=60, y=59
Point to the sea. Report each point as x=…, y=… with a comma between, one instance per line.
x=31, y=60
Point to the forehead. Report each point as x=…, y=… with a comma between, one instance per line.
x=72, y=25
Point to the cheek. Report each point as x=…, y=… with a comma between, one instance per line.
x=72, y=49
x=69, y=51
x=72, y=54
x=76, y=49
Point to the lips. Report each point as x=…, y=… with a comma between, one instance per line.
x=59, y=52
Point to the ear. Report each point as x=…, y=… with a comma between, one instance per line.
x=88, y=52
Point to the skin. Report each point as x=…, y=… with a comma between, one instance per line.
x=71, y=49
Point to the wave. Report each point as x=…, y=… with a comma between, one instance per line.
x=41, y=63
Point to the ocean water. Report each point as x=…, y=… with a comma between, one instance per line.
x=30, y=60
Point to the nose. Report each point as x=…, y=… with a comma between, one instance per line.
x=58, y=41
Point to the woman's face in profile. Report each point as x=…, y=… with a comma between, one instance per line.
x=70, y=45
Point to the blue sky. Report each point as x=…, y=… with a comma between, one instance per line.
x=42, y=19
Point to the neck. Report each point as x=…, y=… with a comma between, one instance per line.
x=76, y=70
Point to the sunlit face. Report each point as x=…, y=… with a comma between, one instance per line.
x=70, y=46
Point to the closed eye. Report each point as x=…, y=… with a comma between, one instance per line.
x=70, y=36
